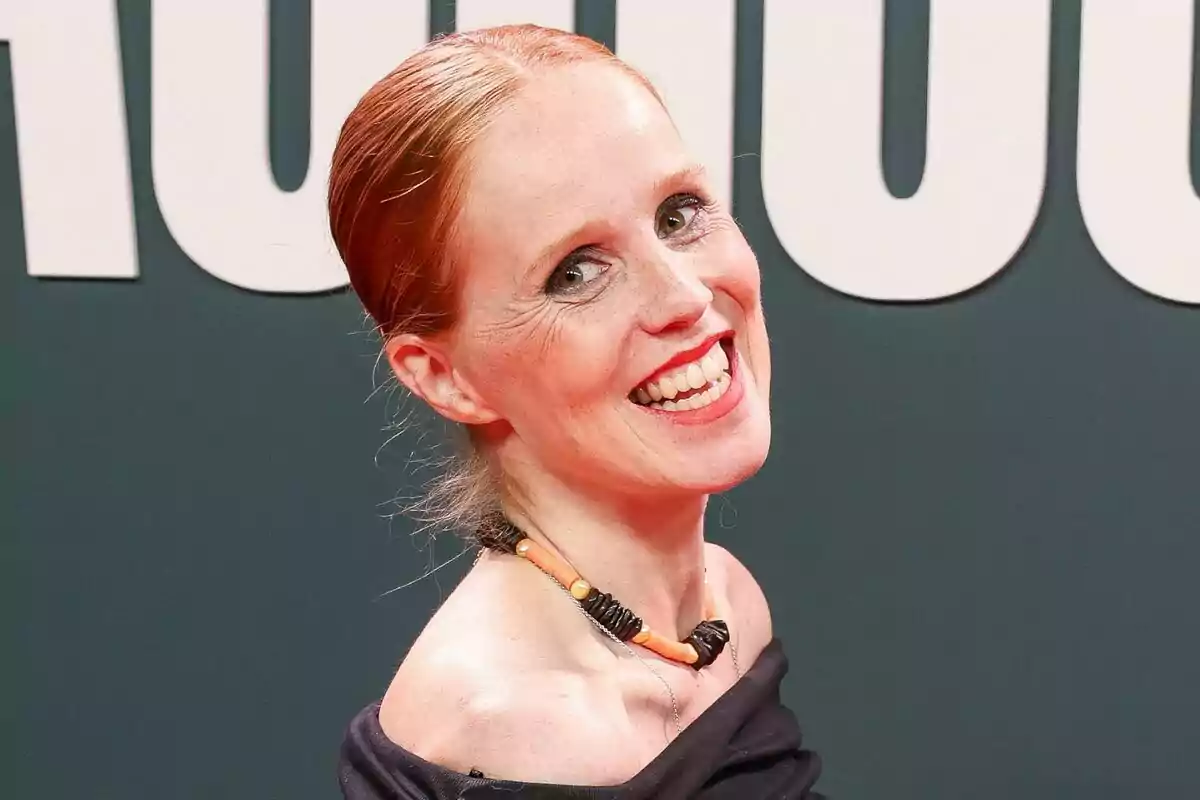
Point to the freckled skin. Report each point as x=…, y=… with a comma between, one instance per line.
x=591, y=251
x=585, y=157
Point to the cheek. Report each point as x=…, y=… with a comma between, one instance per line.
x=742, y=282
x=565, y=370
x=734, y=268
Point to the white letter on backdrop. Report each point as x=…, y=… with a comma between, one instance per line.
x=212, y=171
x=985, y=164
x=472, y=14
x=687, y=51
x=1135, y=189
x=73, y=153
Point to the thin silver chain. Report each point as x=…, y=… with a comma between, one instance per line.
x=737, y=670
x=625, y=646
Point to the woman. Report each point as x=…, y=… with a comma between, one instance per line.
x=548, y=268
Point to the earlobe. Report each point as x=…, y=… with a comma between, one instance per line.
x=425, y=370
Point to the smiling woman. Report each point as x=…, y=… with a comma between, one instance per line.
x=549, y=268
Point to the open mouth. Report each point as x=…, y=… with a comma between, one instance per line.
x=690, y=386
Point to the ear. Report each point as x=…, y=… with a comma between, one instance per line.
x=424, y=367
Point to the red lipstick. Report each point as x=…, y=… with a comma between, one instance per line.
x=687, y=356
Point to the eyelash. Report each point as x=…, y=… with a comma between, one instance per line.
x=684, y=200
x=586, y=255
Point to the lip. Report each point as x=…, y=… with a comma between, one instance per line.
x=687, y=356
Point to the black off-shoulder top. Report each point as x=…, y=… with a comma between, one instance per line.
x=745, y=746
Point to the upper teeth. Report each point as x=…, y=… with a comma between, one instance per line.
x=708, y=369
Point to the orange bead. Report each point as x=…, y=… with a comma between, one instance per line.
x=673, y=651
x=566, y=575
x=551, y=565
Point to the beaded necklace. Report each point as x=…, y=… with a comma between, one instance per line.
x=698, y=650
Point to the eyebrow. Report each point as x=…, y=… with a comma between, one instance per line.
x=687, y=175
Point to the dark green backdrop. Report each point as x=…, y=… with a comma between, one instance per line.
x=979, y=528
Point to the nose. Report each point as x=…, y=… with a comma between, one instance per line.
x=675, y=295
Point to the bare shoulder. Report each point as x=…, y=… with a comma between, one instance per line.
x=745, y=600
x=472, y=694
x=504, y=723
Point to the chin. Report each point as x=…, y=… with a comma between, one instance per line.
x=720, y=466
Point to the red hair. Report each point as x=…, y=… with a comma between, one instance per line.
x=400, y=160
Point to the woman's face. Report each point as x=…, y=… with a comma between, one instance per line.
x=611, y=313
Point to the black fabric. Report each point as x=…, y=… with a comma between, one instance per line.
x=746, y=746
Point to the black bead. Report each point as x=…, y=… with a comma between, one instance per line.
x=497, y=533
x=709, y=638
x=629, y=628
x=612, y=616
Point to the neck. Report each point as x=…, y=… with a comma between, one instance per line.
x=648, y=553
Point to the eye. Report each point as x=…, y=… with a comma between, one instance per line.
x=676, y=214
x=573, y=274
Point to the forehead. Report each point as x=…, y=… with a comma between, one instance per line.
x=577, y=145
